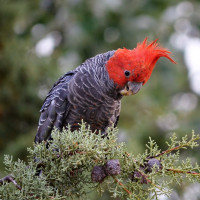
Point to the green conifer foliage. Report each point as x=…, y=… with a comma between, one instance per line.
x=66, y=169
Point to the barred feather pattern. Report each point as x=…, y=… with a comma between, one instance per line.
x=86, y=93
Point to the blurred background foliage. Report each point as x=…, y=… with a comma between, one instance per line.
x=42, y=40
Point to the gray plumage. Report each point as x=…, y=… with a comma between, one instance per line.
x=86, y=93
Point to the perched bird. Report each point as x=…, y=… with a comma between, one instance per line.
x=93, y=91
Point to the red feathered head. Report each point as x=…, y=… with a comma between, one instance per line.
x=135, y=65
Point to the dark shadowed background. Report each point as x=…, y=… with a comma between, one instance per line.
x=42, y=40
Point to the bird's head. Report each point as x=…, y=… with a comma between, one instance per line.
x=130, y=69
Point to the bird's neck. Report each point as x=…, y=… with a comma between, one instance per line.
x=111, y=89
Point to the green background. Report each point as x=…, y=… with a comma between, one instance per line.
x=42, y=40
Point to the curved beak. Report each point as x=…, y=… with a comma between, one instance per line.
x=131, y=88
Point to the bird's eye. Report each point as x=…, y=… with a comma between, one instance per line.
x=127, y=73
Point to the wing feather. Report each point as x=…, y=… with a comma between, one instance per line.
x=55, y=108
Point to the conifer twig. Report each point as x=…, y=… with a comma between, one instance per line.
x=122, y=185
x=176, y=147
x=9, y=178
x=184, y=172
x=167, y=151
